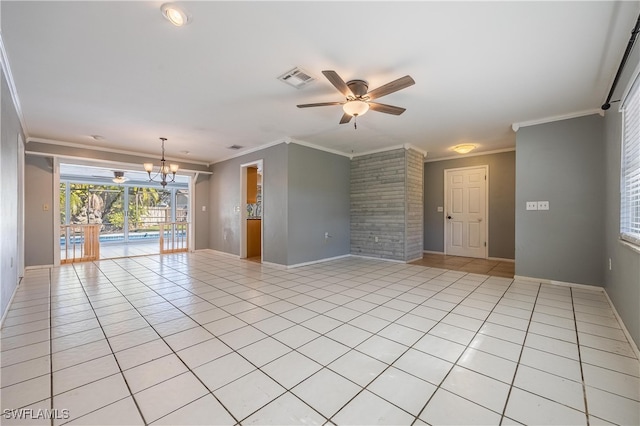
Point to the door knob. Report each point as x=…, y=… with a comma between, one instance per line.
x=448, y=217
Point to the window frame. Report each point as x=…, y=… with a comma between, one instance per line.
x=630, y=164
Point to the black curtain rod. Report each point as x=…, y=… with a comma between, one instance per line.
x=634, y=34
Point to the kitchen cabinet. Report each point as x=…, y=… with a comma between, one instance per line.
x=254, y=237
x=252, y=185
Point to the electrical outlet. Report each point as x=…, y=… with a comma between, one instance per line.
x=204, y=208
x=376, y=239
x=326, y=235
x=532, y=205
x=543, y=205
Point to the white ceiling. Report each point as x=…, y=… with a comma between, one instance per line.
x=120, y=70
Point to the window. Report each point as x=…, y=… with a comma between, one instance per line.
x=630, y=166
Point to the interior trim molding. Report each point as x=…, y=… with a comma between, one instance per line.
x=313, y=262
x=8, y=75
x=13, y=295
x=517, y=126
x=319, y=148
x=106, y=149
x=534, y=280
x=474, y=154
x=250, y=150
x=633, y=343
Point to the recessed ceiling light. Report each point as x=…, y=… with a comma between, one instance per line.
x=175, y=14
x=464, y=148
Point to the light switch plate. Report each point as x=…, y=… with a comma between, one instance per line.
x=532, y=205
x=543, y=205
x=440, y=209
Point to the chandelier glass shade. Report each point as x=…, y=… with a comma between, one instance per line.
x=166, y=173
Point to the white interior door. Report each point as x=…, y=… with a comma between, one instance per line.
x=466, y=211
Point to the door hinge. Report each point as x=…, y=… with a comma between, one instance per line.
x=485, y=177
x=485, y=243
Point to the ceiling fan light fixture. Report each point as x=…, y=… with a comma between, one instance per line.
x=118, y=177
x=464, y=148
x=175, y=14
x=356, y=108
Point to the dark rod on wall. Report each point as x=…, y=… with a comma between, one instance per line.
x=634, y=34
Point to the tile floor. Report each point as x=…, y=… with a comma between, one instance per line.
x=202, y=338
x=496, y=268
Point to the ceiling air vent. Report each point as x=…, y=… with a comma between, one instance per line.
x=296, y=78
x=236, y=147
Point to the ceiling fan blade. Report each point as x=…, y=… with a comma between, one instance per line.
x=319, y=104
x=391, y=87
x=345, y=118
x=387, y=109
x=337, y=82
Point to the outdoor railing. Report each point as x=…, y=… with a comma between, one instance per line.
x=174, y=237
x=80, y=243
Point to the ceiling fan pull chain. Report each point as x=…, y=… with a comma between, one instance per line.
x=355, y=122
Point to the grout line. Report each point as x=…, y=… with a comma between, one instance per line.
x=584, y=385
x=112, y=353
x=515, y=373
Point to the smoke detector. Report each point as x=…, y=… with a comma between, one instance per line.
x=296, y=78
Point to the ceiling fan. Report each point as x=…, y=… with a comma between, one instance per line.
x=358, y=99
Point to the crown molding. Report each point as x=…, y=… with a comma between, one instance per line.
x=8, y=75
x=409, y=146
x=250, y=150
x=475, y=154
x=318, y=147
x=517, y=126
x=113, y=150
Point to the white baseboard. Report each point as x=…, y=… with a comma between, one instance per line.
x=274, y=265
x=377, y=258
x=313, y=262
x=4, y=314
x=222, y=253
x=27, y=268
x=502, y=259
x=633, y=343
x=558, y=283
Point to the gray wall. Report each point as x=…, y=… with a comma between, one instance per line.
x=622, y=282
x=38, y=233
x=224, y=197
x=200, y=218
x=502, y=192
x=10, y=129
x=318, y=203
x=561, y=162
x=304, y=194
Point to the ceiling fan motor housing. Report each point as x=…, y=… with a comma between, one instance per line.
x=358, y=87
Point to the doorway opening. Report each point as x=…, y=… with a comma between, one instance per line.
x=466, y=219
x=251, y=208
x=103, y=216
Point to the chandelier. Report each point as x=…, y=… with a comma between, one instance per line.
x=164, y=171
